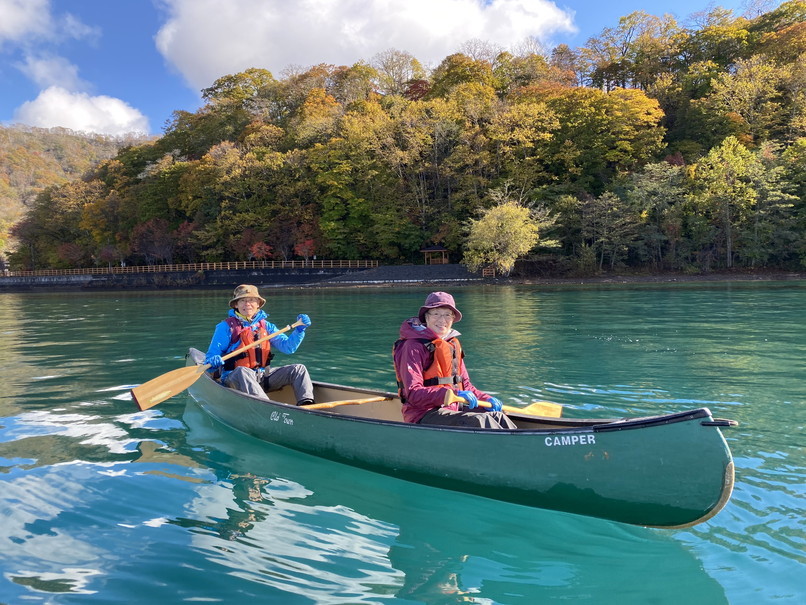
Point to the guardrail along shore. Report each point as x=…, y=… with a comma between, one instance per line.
x=189, y=275
x=195, y=267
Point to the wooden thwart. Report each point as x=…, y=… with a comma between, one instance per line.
x=332, y=404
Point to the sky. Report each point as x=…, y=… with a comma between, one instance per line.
x=117, y=67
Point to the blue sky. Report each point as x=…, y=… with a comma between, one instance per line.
x=120, y=66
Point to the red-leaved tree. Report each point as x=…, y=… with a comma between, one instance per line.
x=260, y=250
x=305, y=249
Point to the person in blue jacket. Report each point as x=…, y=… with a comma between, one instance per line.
x=251, y=371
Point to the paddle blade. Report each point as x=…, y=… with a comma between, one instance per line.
x=543, y=408
x=157, y=390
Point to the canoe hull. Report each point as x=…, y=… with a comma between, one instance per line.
x=666, y=471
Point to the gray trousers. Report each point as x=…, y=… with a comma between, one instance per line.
x=258, y=382
x=484, y=420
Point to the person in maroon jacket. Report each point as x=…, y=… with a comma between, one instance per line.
x=431, y=371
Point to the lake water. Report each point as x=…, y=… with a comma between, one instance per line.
x=101, y=503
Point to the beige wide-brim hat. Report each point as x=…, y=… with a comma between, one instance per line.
x=245, y=291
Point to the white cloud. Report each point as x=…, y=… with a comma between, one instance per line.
x=26, y=21
x=51, y=71
x=24, y=18
x=81, y=112
x=206, y=39
x=72, y=27
x=26, y=25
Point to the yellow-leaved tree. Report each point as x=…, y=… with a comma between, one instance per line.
x=503, y=234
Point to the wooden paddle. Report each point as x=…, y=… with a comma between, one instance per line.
x=545, y=409
x=332, y=404
x=158, y=389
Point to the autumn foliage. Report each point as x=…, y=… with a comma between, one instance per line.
x=654, y=146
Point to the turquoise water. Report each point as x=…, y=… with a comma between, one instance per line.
x=101, y=503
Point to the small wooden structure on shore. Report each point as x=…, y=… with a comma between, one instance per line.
x=435, y=255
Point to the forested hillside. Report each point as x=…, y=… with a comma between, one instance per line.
x=655, y=146
x=32, y=159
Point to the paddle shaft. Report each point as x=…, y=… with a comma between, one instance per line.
x=163, y=387
x=257, y=342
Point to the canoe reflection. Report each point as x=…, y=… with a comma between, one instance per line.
x=333, y=533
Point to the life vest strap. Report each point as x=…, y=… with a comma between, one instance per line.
x=430, y=382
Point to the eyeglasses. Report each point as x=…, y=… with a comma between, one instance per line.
x=253, y=301
x=438, y=315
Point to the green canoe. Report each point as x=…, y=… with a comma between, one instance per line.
x=669, y=471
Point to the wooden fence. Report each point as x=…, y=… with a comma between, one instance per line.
x=227, y=266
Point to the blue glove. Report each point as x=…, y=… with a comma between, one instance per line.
x=496, y=403
x=468, y=396
x=215, y=361
x=306, y=321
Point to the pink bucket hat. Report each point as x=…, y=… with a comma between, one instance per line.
x=439, y=299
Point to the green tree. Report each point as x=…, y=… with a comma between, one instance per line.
x=601, y=134
x=722, y=38
x=794, y=108
x=793, y=160
x=634, y=53
x=656, y=195
x=723, y=196
x=345, y=214
x=752, y=94
x=503, y=234
x=240, y=90
x=519, y=136
x=771, y=235
x=609, y=227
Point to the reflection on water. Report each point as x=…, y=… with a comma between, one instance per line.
x=384, y=531
x=102, y=503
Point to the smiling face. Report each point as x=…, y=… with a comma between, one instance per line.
x=248, y=306
x=439, y=320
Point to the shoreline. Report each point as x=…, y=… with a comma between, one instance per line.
x=663, y=278
x=389, y=276
x=615, y=279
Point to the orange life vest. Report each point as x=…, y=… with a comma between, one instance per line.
x=256, y=357
x=444, y=370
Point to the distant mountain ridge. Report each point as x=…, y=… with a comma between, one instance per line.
x=32, y=159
